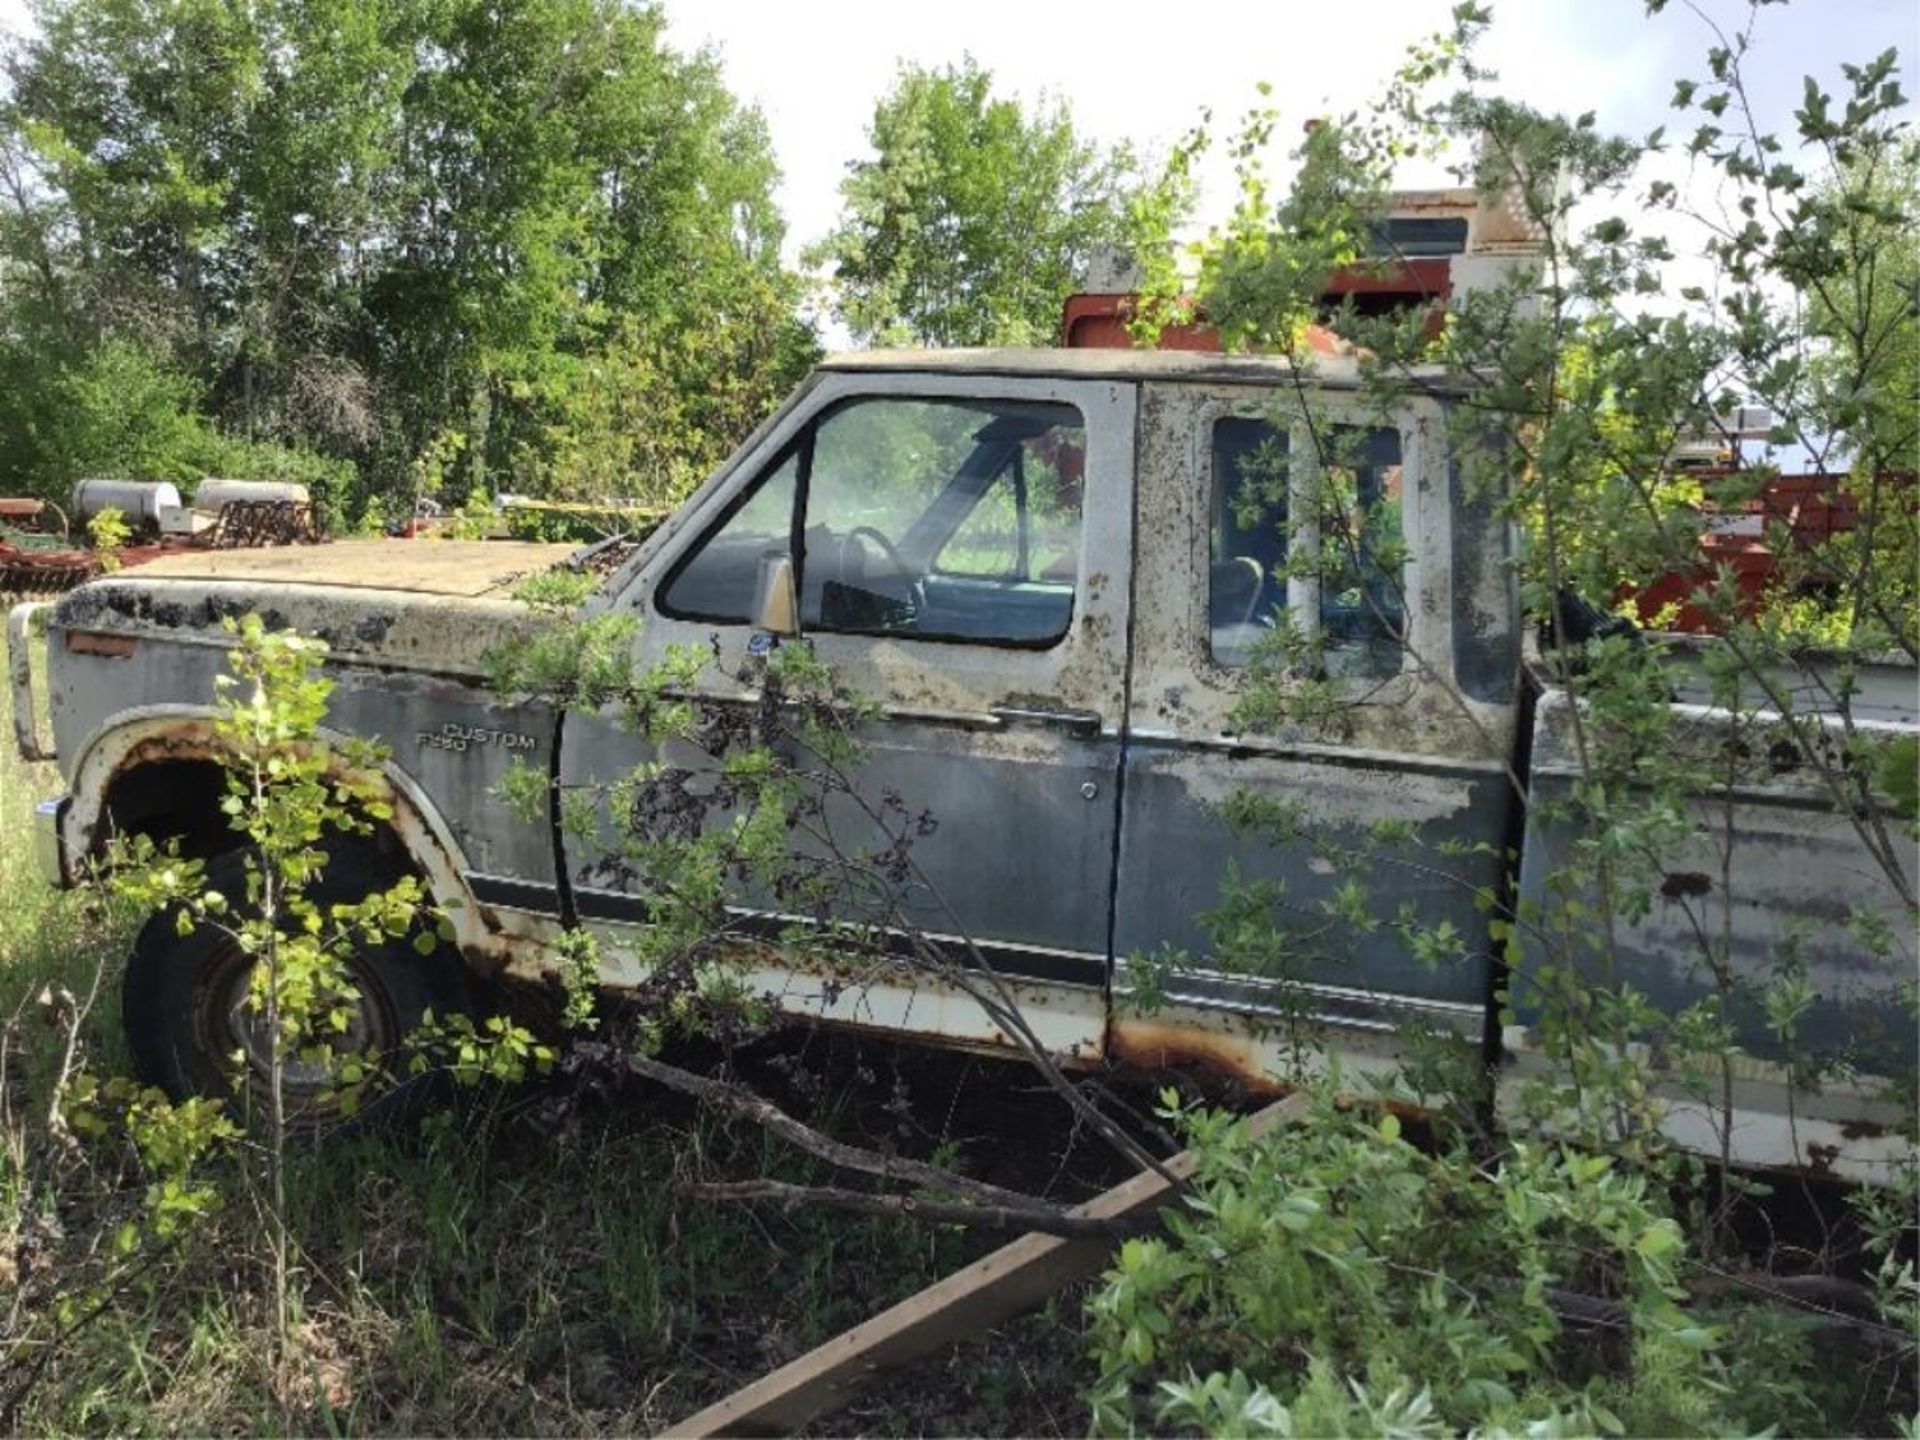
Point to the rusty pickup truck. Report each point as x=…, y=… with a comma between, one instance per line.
x=1051, y=570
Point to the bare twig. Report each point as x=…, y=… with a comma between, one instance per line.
x=70, y=1015
x=1045, y=1219
x=737, y=1101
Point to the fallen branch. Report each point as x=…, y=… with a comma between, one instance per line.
x=1832, y=1306
x=743, y=1104
x=1828, y=1296
x=1594, y=1312
x=1044, y=1221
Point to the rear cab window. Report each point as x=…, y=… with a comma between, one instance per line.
x=1306, y=546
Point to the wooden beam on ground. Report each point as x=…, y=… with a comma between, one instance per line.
x=1011, y=1280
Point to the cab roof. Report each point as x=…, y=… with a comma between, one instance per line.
x=1334, y=371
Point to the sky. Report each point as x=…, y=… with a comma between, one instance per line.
x=1144, y=73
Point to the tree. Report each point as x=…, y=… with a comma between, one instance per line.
x=974, y=220
x=1579, y=381
x=380, y=229
x=1865, y=317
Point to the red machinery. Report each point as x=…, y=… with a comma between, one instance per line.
x=1810, y=508
x=39, y=555
x=1429, y=244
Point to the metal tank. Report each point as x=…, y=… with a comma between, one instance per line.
x=214, y=495
x=143, y=502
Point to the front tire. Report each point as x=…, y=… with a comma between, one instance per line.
x=193, y=1033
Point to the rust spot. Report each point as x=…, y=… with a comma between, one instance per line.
x=1226, y=1065
x=989, y=1044
x=1152, y=1045
x=1685, y=884
x=1863, y=1130
x=95, y=642
x=188, y=740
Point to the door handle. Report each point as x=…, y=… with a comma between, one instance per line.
x=1083, y=724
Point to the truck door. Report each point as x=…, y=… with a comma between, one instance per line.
x=961, y=544
x=1384, y=789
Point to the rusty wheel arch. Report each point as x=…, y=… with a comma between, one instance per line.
x=145, y=771
x=145, y=797
x=166, y=799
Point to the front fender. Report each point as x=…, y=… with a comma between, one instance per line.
x=157, y=734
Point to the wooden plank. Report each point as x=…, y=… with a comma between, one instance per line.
x=1012, y=1279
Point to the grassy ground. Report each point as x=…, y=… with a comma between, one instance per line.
x=524, y=1265
x=46, y=938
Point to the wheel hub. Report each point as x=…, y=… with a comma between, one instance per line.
x=246, y=1029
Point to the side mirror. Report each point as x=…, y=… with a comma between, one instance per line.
x=776, y=603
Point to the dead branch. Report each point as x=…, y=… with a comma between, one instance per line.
x=1594, y=1312
x=1048, y=1220
x=1824, y=1295
x=1019, y=1275
x=1835, y=1304
x=741, y=1103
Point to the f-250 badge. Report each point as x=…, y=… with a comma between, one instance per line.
x=454, y=736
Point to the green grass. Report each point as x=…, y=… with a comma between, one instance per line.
x=47, y=938
x=522, y=1263
x=476, y=1278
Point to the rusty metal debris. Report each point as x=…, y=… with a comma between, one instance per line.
x=36, y=558
x=603, y=557
x=44, y=572
x=25, y=515
x=244, y=524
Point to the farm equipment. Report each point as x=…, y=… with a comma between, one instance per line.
x=36, y=558
x=40, y=555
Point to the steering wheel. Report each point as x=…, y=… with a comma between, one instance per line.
x=894, y=558
x=1259, y=585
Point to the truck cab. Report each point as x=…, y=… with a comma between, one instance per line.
x=1047, y=570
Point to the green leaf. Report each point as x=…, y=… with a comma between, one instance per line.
x=1659, y=1239
x=1899, y=775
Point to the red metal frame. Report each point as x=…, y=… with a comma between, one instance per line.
x=1099, y=321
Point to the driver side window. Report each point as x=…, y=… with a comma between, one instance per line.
x=936, y=519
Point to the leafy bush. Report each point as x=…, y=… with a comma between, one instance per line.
x=124, y=410
x=1331, y=1277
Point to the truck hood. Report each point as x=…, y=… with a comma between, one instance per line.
x=468, y=568
x=432, y=605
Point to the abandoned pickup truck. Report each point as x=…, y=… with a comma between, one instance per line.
x=1039, y=565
